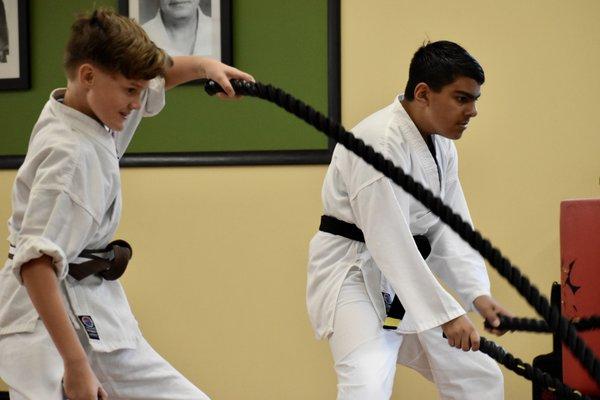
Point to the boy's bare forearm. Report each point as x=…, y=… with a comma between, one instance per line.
x=185, y=69
x=42, y=286
x=189, y=68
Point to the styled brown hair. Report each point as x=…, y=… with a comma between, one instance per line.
x=116, y=44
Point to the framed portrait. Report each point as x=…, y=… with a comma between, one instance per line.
x=192, y=27
x=14, y=45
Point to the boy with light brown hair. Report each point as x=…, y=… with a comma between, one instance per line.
x=66, y=328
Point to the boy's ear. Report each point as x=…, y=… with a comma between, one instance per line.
x=86, y=75
x=421, y=94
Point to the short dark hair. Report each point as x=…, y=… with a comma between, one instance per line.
x=115, y=43
x=440, y=63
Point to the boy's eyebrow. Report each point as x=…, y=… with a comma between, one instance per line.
x=467, y=94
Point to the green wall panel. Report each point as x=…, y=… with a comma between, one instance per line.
x=282, y=43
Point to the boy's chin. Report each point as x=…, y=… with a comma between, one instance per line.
x=117, y=127
x=454, y=135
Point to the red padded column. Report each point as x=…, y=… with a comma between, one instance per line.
x=580, y=278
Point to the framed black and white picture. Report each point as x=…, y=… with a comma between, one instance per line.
x=14, y=45
x=185, y=27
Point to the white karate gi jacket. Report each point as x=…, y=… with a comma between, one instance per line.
x=67, y=198
x=390, y=262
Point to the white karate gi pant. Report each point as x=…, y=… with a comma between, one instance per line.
x=33, y=370
x=365, y=355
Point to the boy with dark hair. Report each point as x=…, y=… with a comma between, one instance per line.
x=65, y=323
x=374, y=238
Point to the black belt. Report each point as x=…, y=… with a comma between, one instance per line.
x=350, y=231
x=109, y=267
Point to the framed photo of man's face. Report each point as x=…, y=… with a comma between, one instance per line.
x=14, y=45
x=185, y=27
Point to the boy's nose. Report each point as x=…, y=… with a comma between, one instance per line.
x=473, y=111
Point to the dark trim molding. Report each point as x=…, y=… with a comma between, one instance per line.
x=224, y=158
x=11, y=162
x=276, y=157
x=4, y=396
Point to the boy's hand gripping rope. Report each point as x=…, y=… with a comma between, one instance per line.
x=540, y=303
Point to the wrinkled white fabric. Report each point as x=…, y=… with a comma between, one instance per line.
x=127, y=374
x=365, y=355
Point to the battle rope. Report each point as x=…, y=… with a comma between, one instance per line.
x=529, y=372
x=539, y=325
x=504, y=267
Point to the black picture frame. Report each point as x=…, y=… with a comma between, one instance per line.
x=14, y=18
x=226, y=49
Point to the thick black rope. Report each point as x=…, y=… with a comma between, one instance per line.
x=334, y=130
x=522, y=324
x=587, y=324
x=540, y=326
x=529, y=372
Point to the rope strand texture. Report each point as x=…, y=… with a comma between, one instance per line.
x=504, y=267
x=529, y=372
x=540, y=326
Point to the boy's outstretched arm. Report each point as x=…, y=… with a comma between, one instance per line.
x=189, y=68
x=39, y=277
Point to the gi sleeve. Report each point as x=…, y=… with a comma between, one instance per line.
x=56, y=221
x=452, y=259
x=155, y=97
x=152, y=102
x=382, y=211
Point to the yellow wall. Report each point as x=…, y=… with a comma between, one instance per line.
x=217, y=279
x=535, y=141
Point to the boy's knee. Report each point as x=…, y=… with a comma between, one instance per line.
x=489, y=381
x=492, y=374
x=362, y=382
x=367, y=389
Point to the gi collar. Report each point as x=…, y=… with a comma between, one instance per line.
x=81, y=122
x=418, y=145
